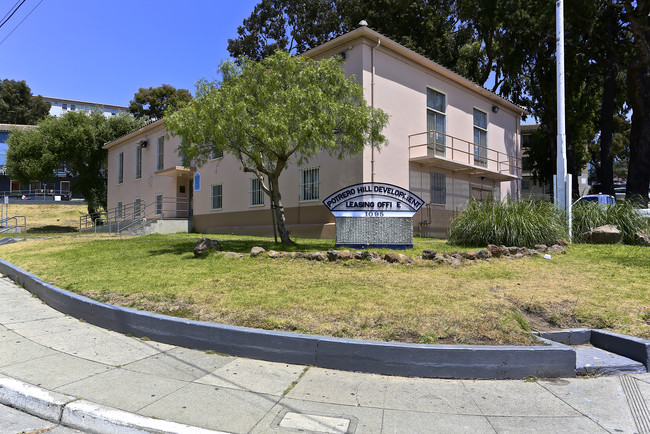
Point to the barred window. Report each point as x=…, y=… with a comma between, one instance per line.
x=159, y=204
x=216, y=197
x=119, y=210
x=438, y=188
x=256, y=192
x=137, y=207
x=309, y=184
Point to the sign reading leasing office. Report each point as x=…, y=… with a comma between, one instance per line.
x=373, y=199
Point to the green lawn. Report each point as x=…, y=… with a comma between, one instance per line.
x=495, y=302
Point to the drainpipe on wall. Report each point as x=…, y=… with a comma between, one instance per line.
x=372, y=104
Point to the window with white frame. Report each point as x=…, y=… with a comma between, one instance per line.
x=480, y=138
x=138, y=163
x=256, y=192
x=309, y=184
x=436, y=120
x=216, y=197
x=160, y=153
x=216, y=153
x=120, y=167
x=119, y=209
x=159, y=204
x=438, y=188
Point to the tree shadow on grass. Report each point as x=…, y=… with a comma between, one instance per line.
x=53, y=229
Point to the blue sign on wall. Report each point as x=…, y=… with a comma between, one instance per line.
x=197, y=181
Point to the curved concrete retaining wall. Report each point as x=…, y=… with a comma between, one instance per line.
x=436, y=361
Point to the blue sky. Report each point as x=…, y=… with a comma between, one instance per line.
x=104, y=51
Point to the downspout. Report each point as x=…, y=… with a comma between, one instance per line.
x=518, y=154
x=372, y=105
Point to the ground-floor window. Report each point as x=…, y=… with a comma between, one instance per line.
x=159, y=204
x=15, y=186
x=438, y=188
x=256, y=192
x=309, y=184
x=65, y=187
x=137, y=207
x=119, y=210
x=216, y=197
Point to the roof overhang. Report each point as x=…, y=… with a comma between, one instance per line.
x=145, y=129
x=177, y=171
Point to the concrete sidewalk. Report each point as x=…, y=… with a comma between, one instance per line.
x=98, y=380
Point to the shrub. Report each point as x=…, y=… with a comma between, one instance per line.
x=587, y=216
x=523, y=222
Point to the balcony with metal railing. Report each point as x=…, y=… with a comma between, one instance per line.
x=435, y=149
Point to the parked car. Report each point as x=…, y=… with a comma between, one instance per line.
x=600, y=199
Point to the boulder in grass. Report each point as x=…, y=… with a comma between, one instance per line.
x=204, y=246
x=428, y=254
x=606, y=234
x=642, y=238
x=257, y=251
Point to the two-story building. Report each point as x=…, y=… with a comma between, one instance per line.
x=450, y=140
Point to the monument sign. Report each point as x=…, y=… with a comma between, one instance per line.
x=374, y=214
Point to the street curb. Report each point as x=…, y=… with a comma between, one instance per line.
x=388, y=358
x=72, y=412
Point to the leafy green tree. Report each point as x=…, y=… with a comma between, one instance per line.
x=75, y=140
x=19, y=106
x=154, y=102
x=281, y=110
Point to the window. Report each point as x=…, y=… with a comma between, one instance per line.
x=64, y=187
x=73, y=107
x=113, y=112
x=137, y=207
x=159, y=204
x=138, y=162
x=309, y=184
x=480, y=138
x=14, y=186
x=256, y=192
x=438, y=188
x=119, y=210
x=64, y=106
x=216, y=153
x=436, y=120
x=120, y=167
x=160, y=153
x=216, y=197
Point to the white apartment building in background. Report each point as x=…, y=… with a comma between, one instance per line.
x=61, y=106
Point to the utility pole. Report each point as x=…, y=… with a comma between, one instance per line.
x=562, y=190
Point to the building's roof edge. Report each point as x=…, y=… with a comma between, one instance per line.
x=9, y=127
x=76, y=101
x=365, y=31
x=148, y=126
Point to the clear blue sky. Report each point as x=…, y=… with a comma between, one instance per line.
x=104, y=51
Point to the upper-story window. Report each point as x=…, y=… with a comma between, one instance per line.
x=216, y=153
x=73, y=107
x=64, y=106
x=480, y=138
x=138, y=162
x=120, y=167
x=436, y=120
x=160, y=153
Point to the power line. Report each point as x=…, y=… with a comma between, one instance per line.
x=12, y=8
x=27, y=16
x=12, y=14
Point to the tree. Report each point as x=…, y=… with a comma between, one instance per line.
x=281, y=110
x=19, y=106
x=154, y=102
x=75, y=140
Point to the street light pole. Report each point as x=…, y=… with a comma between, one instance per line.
x=562, y=191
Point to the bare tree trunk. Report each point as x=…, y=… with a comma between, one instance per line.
x=278, y=208
x=638, y=174
x=606, y=170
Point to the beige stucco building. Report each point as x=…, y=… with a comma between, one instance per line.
x=450, y=140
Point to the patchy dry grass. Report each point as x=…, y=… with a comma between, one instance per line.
x=45, y=219
x=494, y=302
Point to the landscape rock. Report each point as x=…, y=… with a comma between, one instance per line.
x=497, y=251
x=232, y=255
x=606, y=234
x=316, y=256
x=482, y=254
x=394, y=258
x=256, y=251
x=296, y=255
x=513, y=250
x=556, y=248
x=642, y=238
x=470, y=256
x=428, y=254
x=562, y=242
x=332, y=255
x=204, y=246
x=344, y=255
x=540, y=247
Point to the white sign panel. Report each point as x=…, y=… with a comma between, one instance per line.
x=373, y=199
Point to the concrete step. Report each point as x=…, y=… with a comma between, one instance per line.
x=592, y=360
x=8, y=240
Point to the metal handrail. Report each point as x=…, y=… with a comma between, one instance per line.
x=501, y=159
x=4, y=226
